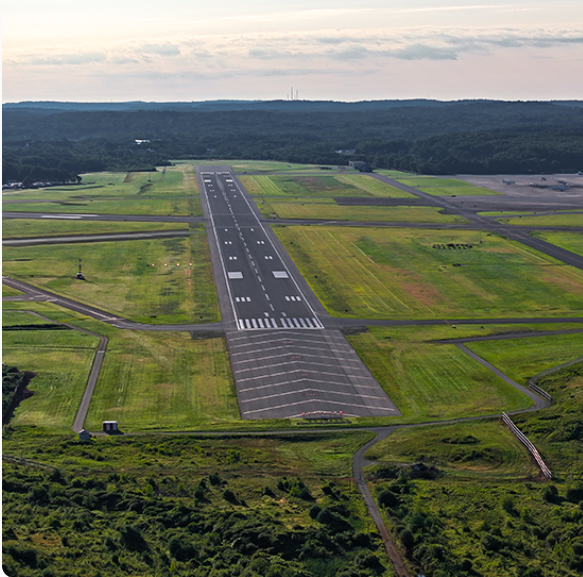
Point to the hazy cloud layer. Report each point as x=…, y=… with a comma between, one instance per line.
x=252, y=50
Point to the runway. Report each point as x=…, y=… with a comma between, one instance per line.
x=285, y=363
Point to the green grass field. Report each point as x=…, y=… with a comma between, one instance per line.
x=172, y=192
x=122, y=280
x=9, y=291
x=268, y=166
x=164, y=381
x=317, y=185
x=149, y=380
x=479, y=448
x=432, y=381
x=62, y=360
x=29, y=228
x=572, y=241
x=373, y=186
x=359, y=213
x=395, y=273
x=574, y=220
x=523, y=358
x=445, y=186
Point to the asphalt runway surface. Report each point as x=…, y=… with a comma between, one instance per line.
x=287, y=373
x=284, y=363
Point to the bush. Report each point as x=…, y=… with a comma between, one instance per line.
x=387, y=498
x=407, y=538
x=132, y=539
x=550, y=493
x=229, y=496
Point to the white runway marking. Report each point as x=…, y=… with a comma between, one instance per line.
x=235, y=275
x=280, y=274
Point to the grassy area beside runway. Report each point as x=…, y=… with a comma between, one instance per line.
x=9, y=291
x=522, y=359
x=480, y=449
x=154, y=281
x=445, y=186
x=139, y=205
x=317, y=185
x=62, y=361
x=164, y=381
x=567, y=220
x=170, y=191
x=32, y=228
x=149, y=380
x=572, y=241
x=413, y=273
x=429, y=381
x=373, y=186
x=415, y=214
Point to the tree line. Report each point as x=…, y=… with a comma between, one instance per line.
x=475, y=137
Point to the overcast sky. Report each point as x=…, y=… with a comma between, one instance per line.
x=183, y=50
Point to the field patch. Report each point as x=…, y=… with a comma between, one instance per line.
x=373, y=186
x=572, y=241
x=445, y=186
x=522, y=359
x=153, y=281
x=362, y=213
x=61, y=360
x=171, y=190
x=477, y=448
x=162, y=381
x=419, y=273
x=31, y=228
x=433, y=381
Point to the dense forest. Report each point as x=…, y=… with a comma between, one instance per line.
x=463, y=137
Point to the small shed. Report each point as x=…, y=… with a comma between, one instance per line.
x=84, y=435
x=110, y=426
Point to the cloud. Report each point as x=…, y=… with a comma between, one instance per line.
x=316, y=49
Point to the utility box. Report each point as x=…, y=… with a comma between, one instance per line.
x=110, y=426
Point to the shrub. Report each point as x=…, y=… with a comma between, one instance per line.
x=407, y=538
x=387, y=498
x=132, y=539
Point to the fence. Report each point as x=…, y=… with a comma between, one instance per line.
x=531, y=448
x=539, y=391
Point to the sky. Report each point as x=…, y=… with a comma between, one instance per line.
x=194, y=50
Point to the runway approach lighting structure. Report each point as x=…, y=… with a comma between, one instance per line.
x=80, y=274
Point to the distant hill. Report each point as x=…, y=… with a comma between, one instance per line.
x=284, y=105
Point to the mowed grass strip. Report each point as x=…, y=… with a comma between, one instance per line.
x=396, y=273
x=373, y=186
x=33, y=228
x=135, y=205
x=467, y=449
x=9, y=291
x=164, y=381
x=61, y=359
x=171, y=190
x=363, y=213
x=121, y=278
x=524, y=358
x=574, y=220
x=572, y=241
x=294, y=185
x=445, y=186
x=429, y=381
